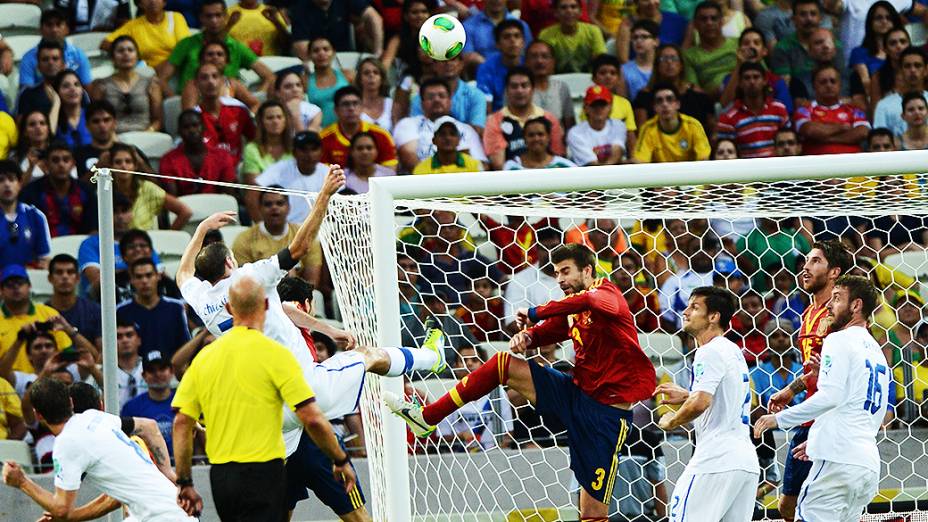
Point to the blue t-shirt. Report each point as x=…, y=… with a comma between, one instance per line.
x=163, y=328
x=862, y=55
x=85, y=316
x=635, y=78
x=160, y=411
x=74, y=59
x=673, y=28
x=767, y=381
x=188, y=8
x=479, y=30
x=76, y=136
x=491, y=79
x=26, y=238
x=89, y=255
x=468, y=105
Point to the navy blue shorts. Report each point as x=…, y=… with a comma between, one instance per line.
x=309, y=468
x=595, y=432
x=795, y=471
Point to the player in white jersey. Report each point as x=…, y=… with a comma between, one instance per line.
x=848, y=409
x=91, y=448
x=720, y=480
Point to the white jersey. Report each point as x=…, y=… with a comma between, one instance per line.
x=723, y=442
x=92, y=448
x=850, y=403
x=586, y=144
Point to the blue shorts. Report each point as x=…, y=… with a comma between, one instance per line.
x=595, y=432
x=795, y=471
x=309, y=468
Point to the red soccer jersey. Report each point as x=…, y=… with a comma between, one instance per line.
x=752, y=132
x=231, y=129
x=335, y=145
x=812, y=331
x=842, y=113
x=218, y=165
x=610, y=366
x=310, y=343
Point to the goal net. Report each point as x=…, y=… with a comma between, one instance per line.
x=468, y=250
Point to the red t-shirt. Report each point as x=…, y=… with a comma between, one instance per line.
x=750, y=337
x=842, y=113
x=517, y=247
x=335, y=145
x=228, y=129
x=610, y=365
x=539, y=14
x=752, y=132
x=218, y=165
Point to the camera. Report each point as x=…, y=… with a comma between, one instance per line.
x=69, y=354
x=44, y=326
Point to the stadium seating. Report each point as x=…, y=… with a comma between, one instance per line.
x=279, y=63
x=16, y=451
x=229, y=233
x=67, y=244
x=41, y=288
x=104, y=70
x=90, y=44
x=19, y=19
x=169, y=268
x=204, y=205
x=153, y=144
x=172, y=110
x=21, y=43
x=169, y=244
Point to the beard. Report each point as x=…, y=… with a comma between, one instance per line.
x=840, y=320
x=815, y=284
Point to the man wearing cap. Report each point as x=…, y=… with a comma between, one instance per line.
x=336, y=138
x=25, y=239
x=155, y=404
x=600, y=140
x=908, y=305
x=782, y=366
x=18, y=310
x=447, y=158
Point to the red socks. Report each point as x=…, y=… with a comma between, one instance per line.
x=479, y=383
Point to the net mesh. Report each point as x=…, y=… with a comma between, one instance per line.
x=470, y=262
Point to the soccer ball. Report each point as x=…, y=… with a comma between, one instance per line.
x=442, y=37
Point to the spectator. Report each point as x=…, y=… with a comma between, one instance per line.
x=753, y=120
x=790, y=58
x=675, y=292
x=913, y=72
x=67, y=115
x=137, y=97
x=155, y=402
x=83, y=313
x=42, y=351
x=325, y=80
x=914, y=112
x=781, y=367
x=133, y=245
x=263, y=28
x=870, y=55
x=290, y=90
x=226, y=123
x=25, y=239
x=537, y=146
x=784, y=301
x=195, y=159
x=333, y=21
x=129, y=361
x=901, y=348
x=50, y=56
x=671, y=135
x=301, y=172
x=161, y=321
x=101, y=125
x=775, y=22
x=607, y=72
x=12, y=426
x=504, y=138
x=217, y=53
x=822, y=52
x=19, y=310
x=852, y=18
x=414, y=135
x=53, y=27
x=887, y=77
x=637, y=72
x=374, y=85
x=274, y=140
x=550, y=94
x=881, y=140
x=468, y=103
x=642, y=300
x=752, y=48
x=714, y=56
x=672, y=27
x=786, y=143
x=535, y=284
x=69, y=205
x=147, y=198
x=403, y=47
x=34, y=137
x=600, y=140
x=491, y=74
x=362, y=163
x=828, y=126
x=94, y=15
x=773, y=245
x=575, y=43
x=723, y=149
x=482, y=312
x=447, y=157
x=337, y=136
x=747, y=327
x=668, y=69
x=156, y=31
x=481, y=31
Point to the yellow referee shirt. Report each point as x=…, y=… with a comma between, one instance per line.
x=687, y=143
x=239, y=384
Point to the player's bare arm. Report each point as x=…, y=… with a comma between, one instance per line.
x=344, y=339
x=187, y=497
x=766, y=422
x=147, y=430
x=306, y=234
x=693, y=407
x=218, y=220
x=92, y=510
x=321, y=432
x=671, y=393
x=59, y=504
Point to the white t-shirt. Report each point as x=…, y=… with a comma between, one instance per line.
x=308, y=111
x=385, y=121
x=850, y=403
x=92, y=448
x=527, y=288
x=286, y=174
x=423, y=129
x=723, y=442
x=586, y=145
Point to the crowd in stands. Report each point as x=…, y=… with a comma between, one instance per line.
x=662, y=81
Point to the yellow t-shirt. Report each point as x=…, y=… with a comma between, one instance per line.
x=919, y=382
x=611, y=14
x=9, y=405
x=687, y=143
x=255, y=30
x=464, y=163
x=8, y=134
x=239, y=383
x=9, y=329
x=147, y=206
x=574, y=52
x=155, y=41
x=621, y=110
x=255, y=244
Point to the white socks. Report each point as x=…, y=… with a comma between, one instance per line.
x=405, y=360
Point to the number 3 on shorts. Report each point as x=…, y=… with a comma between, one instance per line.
x=600, y=475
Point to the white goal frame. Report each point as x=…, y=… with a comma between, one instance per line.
x=385, y=192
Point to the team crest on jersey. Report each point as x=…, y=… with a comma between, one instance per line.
x=698, y=370
x=826, y=364
x=684, y=144
x=824, y=325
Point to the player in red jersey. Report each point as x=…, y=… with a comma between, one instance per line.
x=827, y=261
x=611, y=374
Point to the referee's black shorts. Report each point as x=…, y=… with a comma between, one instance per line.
x=250, y=491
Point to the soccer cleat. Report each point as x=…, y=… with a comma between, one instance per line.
x=409, y=412
x=435, y=342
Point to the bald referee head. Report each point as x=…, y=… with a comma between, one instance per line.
x=247, y=303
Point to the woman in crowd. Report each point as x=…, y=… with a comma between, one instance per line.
x=291, y=92
x=888, y=76
x=401, y=52
x=156, y=30
x=217, y=53
x=376, y=103
x=914, y=113
x=668, y=68
x=34, y=136
x=867, y=58
x=147, y=198
x=362, y=164
x=274, y=141
x=724, y=149
x=325, y=78
x=137, y=98
x=67, y=114
x=537, y=153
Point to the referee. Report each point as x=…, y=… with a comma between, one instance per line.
x=239, y=385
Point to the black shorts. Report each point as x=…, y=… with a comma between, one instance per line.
x=249, y=491
x=309, y=468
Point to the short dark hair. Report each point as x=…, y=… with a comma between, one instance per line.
x=706, y=4
x=717, y=300
x=189, y=113
x=751, y=66
x=143, y=261
x=84, y=397
x=263, y=193
x=520, y=70
x=581, y=255
x=53, y=15
x=549, y=233
x=881, y=131
x=604, y=60
x=57, y=145
x=797, y=3
x=225, y=48
x=62, y=259
x=122, y=322
x=913, y=50
x=99, y=106
x=45, y=45
x=433, y=82
x=859, y=287
x=130, y=236
x=753, y=30
x=508, y=23
x=836, y=254
x=664, y=86
x=825, y=67
x=648, y=25
x=540, y=120
x=788, y=130
x=347, y=90
x=914, y=95
x=9, y=168
x=48, y=336
x=204, y=3
x=295, y=289
x=51, y=400
x=211, y=261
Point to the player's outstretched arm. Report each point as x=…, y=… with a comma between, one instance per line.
x=334, y=180
x=693, y=407
x=218, y=220
x=344, y=339
x=59, y=504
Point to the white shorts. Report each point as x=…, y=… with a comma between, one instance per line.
x=712, y=497
x=836, y=492
x=337, y=383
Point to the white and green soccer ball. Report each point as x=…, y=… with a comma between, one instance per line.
x=442, y=37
